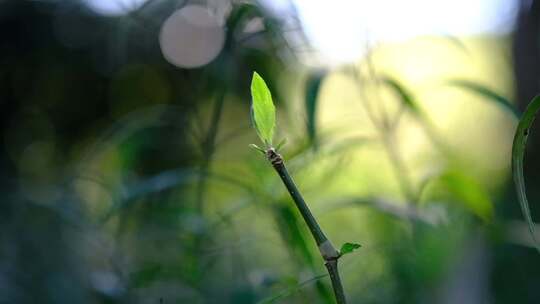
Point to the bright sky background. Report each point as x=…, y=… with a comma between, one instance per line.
x=341, y=29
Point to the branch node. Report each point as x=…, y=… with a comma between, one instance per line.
x=328, y=251
x=275, y=158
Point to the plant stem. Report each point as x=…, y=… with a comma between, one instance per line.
x=327, y=250
x=332, y=267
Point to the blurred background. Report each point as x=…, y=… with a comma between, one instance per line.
x=126, y=176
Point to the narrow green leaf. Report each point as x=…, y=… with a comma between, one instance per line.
x=289, y=224
x=456, y=42
x=291, y=290
x=405, y=96
x=518, y=152
x=313, y=85
x=262, y=109
x=487, y=93
x=348, y=248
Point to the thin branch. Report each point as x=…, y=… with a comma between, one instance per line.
x=332, y=267
x=327, y=250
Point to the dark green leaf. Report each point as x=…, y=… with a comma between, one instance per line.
x=518, y=152
x=313, y=85
x=240, y=15
x=487, y=93
x=290, y=227
x=263, y=110
x=348, y=248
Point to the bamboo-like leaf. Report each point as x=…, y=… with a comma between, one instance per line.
x=289, y=223
x=291, y=290
x=456, y=42
x=518, y=152
x=262, y=109
x=485, y=92
x=405, y=96
x=313, y=85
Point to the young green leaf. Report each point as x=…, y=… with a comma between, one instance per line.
x=262, y=109
x=518, y=151
x=348, y=248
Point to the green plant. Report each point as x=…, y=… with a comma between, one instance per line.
x=264, y=119
x=518, y=152
x=521, y=134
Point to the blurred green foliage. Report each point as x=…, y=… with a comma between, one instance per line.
x=125, y=179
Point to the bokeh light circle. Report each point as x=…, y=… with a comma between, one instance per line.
x=191, y=37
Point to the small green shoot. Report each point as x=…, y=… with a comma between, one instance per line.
x=348, y=248
x=263, y=114
x=254, y=146
x=262, y=109
x=518, y=151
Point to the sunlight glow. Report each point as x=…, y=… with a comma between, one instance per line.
x=113, y=7
x=341, y=31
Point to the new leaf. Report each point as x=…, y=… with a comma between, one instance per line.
x=262, y=109
x=348, y=248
